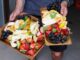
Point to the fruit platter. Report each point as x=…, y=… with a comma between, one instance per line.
x=55, y=28
x=24, y=36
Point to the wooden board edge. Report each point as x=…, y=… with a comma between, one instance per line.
x=68, y=42
x=29, y=57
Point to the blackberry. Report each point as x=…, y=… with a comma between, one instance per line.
x=51, y=35
x=64, y=39
x=5, y=34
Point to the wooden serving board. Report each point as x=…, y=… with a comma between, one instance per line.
x=29, y=57
x=68, y=42
x=6, y=42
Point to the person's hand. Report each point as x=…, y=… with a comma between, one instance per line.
x=64, y=10
x=13, y=15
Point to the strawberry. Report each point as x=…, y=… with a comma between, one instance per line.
x=38, y=46
x=65, y=31
x=40, y=38
x=56, y=33
x=27, y=47
x=21, y=47
x=22, y=41
x=49, y=28
x=56, y=25
x=58, y=29
x=29, y=40
x=47, y=33
x=32, y=45
x=59, y=21
x=39, y=33
x=31, y=52
x=24, y=46
x=32, y=42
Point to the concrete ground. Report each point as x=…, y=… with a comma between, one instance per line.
x=72, y=53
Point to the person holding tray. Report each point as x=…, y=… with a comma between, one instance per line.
x=32, y=7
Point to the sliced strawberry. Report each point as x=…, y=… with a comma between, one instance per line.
x=59, y=21
x=56, y=25
x=27, y=47
x=39, y=33
x=49, y=28
x=24, y=46
x=47, y=33
x=40, y=38
x=29, y=40
x=32, y=45
x=38, y=46
x=58, y=29
x=22, y=41
x=21, y=47
x=65, y=31
x=32, y=42
x=56, y=33
x=31, y=52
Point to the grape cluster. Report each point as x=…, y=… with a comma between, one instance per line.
x=57, y=38
x=5, y=34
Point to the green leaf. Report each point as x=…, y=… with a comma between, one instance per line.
x=23, y=51
x=26, y=17
x=54, y=30
x=53, y=15
x=22, y=26
x=18, y=44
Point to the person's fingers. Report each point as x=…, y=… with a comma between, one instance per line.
x=61, y=11
x=64, y=11
x=23, y=13
x=12, y=17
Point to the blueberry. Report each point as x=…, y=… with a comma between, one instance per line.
x=64, y=39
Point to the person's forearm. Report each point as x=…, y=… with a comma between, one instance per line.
x=69, y=2
x=19, y=5
x=65, y=1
